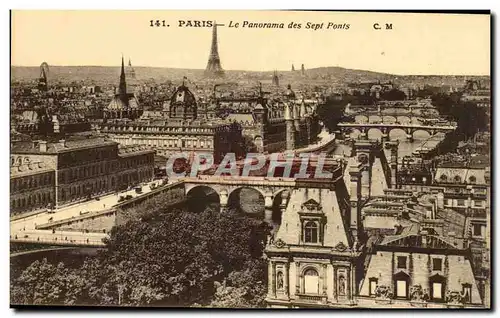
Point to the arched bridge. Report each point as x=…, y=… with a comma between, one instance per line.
x=272, y=189
x=394, y=118
x=385, y=128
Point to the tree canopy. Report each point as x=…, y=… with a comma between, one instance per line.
x=167, y=258
x=393, y=94
x=331, y=113
x=470, y=119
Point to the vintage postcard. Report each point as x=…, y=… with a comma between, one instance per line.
x=250, y=159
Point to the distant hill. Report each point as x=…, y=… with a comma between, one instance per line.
x=103, y=75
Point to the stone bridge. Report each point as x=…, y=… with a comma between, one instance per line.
x=393, y=118
x=386, y=128
x=274, y=190
x=399, y=104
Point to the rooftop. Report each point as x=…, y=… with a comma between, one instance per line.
x=75, y=143
x=28, y=168
x=133, y=150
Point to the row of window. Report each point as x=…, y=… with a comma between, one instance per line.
x=436, y=292
x=463, y=203
x=160, y=129
x=401, y=263
x=30, y=201
x=103, y=185
x=135, y=162
x=101, y=168
x=190, y=143
x=87, y=171
x=456, y=179
x=79, y=191
x=31, y=182
x=87, y=155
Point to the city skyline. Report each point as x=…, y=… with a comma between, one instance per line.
x=459, y=49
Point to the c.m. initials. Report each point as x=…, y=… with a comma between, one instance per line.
x=377, y=26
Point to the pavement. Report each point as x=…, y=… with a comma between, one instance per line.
x=27, y=226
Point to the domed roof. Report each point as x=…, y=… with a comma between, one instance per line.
x=183, y=96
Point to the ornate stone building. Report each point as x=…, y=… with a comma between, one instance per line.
x=275, y=123
x=177, y=129
x=73, y=170
x=314, y=259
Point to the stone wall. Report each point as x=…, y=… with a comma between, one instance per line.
x=100, y=223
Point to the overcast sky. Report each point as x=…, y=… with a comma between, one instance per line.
x=417, y=44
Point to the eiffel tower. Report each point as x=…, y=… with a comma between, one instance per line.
x=214, y=69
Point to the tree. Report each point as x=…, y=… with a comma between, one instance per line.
x=182, y=254
x=332, y=112
x=243, y=289
x=43, y=283
x=469, y=117
x=393, y=94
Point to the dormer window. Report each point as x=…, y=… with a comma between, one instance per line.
x=312, y=221
x=311, y=232
x=472, y=179
x=443, y=178
x=457, y=179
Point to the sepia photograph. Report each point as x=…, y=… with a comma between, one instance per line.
x=250, y=159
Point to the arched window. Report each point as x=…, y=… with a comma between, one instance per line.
x=311, y=232
x=443, y=178
x=472, y=179
x=457, y=179
x=311, y=281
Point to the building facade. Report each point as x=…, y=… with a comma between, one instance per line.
x=74, y=170
x=416, y=265
x=32, y=185
x=313, y=259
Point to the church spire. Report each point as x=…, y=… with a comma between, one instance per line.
x=276, y=81
x=122, y=88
